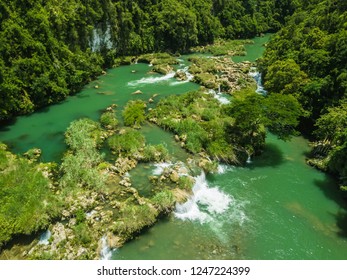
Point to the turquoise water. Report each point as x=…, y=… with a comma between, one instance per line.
x=276, y=207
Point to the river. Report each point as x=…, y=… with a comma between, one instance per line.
x=275, y=207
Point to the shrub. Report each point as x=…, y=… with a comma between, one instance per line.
x=109, y=120
x=164, y=201
x=26, y=202
x=83, y=134
x=134, y=218
x=134, y=113
x=186, y=183
x=156, y=153
x=127, y=143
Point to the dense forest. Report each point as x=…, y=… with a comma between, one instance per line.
x=308, y=59
x=50, y=49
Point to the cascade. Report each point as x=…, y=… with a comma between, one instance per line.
x=106, y=252
x=101, y=38
x=219, y=97
x=205, y=202
x=151, y=80
x=257, y=76
x=45, y=237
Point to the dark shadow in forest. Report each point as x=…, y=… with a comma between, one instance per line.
x=20, y=241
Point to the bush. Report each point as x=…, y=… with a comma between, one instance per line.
x=130, y=142
x=109, y=120
x=83, y=134
x=26, y=202
x=156, y=153
x=81, y=170
x=186, y=183
x=82, y=234
x=134, y=218
x=134, y=113
x=164, y=201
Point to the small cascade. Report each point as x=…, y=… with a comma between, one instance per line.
x=44, y=238
x=219, y=97
x=205, y=203
x=257, y=76
x=106, y=251
x=188, y=75
x=159, y=167
x=151, y=80
x=223, y=168
x=249, y=160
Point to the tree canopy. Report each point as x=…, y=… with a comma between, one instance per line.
x=50, y=49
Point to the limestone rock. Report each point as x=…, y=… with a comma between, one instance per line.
x=137, y=92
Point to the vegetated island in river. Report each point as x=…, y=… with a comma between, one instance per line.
x=87, y=203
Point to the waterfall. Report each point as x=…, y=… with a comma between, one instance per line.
x=223, y=168
x=101, y=39
x=106, y=252
x=204, y=204
x=219, y=97
x=45, y=237
x=257, y=76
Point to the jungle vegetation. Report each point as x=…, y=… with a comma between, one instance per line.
x=50, y=49
x=307, y=59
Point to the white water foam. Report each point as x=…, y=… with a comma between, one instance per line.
x=219, y=97
x=188, y=75
x=151, y=80
x=223, y=168
x=257, y=76
x=45, y=237
x=205, y=203
x=106, y=252
x=159, y=167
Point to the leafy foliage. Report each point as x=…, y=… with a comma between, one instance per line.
x=128, y=142
x=307, y=59
x=80, y=165
x=26, y=202
x=50, y=49
x=227, y=132
x=134, y=113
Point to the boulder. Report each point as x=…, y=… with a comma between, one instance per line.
x=174, y=176
x=137, y=92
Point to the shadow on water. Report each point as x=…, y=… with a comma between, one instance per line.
x=42, y=110
x=271, y=157
x=341, y=222
x=329, y=188
x=82, y=96
x=6, y=124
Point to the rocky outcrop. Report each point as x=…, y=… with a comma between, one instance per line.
x=123, y=165
x=221, y=73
